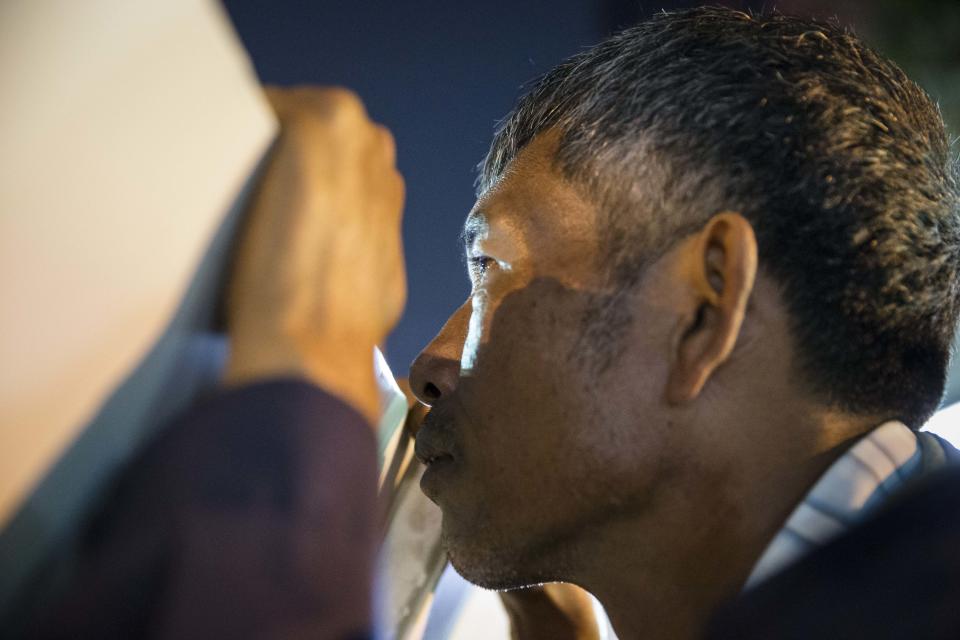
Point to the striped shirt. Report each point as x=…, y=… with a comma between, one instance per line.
x=852, y=489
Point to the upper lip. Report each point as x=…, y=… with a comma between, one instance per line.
x=427, y=453
x=431, y=442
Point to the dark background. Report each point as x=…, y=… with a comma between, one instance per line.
x=441, y=74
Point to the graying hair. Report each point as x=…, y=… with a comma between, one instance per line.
x=839, y=161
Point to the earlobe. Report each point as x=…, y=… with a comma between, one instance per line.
x=721, y=266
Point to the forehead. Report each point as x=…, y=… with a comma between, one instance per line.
x=535, y=203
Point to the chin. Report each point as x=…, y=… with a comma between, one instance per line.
x=487, y=575
x=493, y=566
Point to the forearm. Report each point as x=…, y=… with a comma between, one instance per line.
x=253, y=514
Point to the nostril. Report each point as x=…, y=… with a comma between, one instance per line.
x=431, y=391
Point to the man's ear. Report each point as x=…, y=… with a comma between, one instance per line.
x=718, y=269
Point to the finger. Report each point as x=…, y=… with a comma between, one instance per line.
x=340, y=104
x=341, y=96
x=332, y=104
x=399, y=188
x=279, y=99
x=386, y=144
x=386, y=188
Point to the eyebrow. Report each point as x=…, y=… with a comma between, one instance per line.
x=472, y=226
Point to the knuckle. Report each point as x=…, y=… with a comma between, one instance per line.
x=400, y=191
x=328, y=110
x=386, y=138
x=344, y=102
x=388, y=145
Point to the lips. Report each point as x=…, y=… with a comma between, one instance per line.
x=437, y=476
x=428, y=452
x=435, y=437
x=436, y=458
x=434, y=448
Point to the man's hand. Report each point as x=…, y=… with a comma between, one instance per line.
x=319, y=278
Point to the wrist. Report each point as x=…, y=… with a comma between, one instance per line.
x=343, y=369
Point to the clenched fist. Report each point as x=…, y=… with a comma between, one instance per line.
x=319, y=277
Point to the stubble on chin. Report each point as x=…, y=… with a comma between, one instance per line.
x=490, y=562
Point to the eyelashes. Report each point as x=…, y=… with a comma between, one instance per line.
x=480, y=264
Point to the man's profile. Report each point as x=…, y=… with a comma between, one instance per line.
x=714, y=266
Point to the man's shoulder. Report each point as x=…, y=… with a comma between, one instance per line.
x=937, y=451
x=897, y=575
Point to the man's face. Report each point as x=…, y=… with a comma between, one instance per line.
x=530, y=445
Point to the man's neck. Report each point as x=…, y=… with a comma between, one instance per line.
x=664, y=578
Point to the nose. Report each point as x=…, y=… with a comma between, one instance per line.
x=435, y=372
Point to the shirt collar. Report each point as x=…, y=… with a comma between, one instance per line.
x=852, y=489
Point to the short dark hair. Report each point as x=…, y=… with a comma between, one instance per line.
x=838, y=160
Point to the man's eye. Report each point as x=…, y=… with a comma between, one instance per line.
x=480, y=264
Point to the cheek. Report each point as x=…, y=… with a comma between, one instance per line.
x=517, y=347
x=525, y=400
x=544, y=430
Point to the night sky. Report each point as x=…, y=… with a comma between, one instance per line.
x=439, y=75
